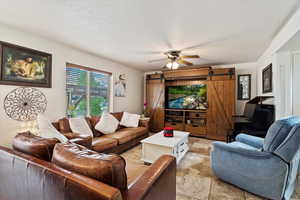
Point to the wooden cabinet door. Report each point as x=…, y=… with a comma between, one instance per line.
x=155, y=96
x=221, y=98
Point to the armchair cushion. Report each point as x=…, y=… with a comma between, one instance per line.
x=278, y=132
x=290, y=146
x=253, y=141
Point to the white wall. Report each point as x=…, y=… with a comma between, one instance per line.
x=271, y=55
x=243, y=68
x=296, y=83
x=56, y=96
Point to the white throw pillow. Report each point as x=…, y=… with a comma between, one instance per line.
x=107, y=124
x=80, y=125
x=47, y=130
x=130, y=120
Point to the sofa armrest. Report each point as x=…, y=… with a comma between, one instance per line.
x=144, y=123
x=158, y=182
x=231, y=148
x=256, y=142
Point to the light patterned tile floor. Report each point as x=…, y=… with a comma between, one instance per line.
x=195, y=179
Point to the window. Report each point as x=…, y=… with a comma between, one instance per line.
x=87, y=91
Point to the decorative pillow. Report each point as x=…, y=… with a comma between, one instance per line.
x=47, y=130
x=80, y=125
x=107, y=124
x=130, y=120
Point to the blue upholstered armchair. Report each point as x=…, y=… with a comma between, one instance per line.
x=266, y=167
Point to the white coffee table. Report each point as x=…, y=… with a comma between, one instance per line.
x=157, y=145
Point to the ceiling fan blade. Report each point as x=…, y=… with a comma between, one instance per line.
x=184, y=62
x=191, y=56
x=158, y=60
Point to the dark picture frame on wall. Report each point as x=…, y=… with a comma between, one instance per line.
x=244, y=87
x=267, y=79
x=23, y=66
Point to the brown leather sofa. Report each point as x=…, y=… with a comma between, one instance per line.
x=118, y=142
x=77, y=173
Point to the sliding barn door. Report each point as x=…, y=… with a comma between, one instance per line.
x=221, y=98
x=155, y=96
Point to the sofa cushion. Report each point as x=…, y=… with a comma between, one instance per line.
x=122, y=136
x=101, y=144
x=107, y=168
x=118, y=115
x=278, y=132
x=94, y=120
x=134, y=170
x=139, y=131
x=84, y=141
x=71, y=135
x=39, y=147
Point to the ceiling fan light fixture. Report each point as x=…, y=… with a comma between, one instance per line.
x=172, y=65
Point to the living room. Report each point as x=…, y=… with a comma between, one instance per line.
x=149, y=100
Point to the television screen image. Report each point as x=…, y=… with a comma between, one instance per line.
x=187, y=97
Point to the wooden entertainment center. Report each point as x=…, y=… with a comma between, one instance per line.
x=215, y=122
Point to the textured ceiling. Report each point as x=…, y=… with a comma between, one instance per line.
x=135, y=31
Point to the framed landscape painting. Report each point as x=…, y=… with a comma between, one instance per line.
x=24, y=67
x=267, y=77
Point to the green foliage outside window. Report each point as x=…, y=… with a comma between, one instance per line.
x=79, y=96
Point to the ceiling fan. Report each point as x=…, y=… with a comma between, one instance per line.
x=175, y=59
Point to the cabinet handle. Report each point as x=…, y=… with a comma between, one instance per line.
x=182, y=151
x=173, y=123
x=195, y=126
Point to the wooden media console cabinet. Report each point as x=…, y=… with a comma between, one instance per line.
x=215, y=122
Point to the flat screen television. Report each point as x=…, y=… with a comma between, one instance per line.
x=187, y=97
